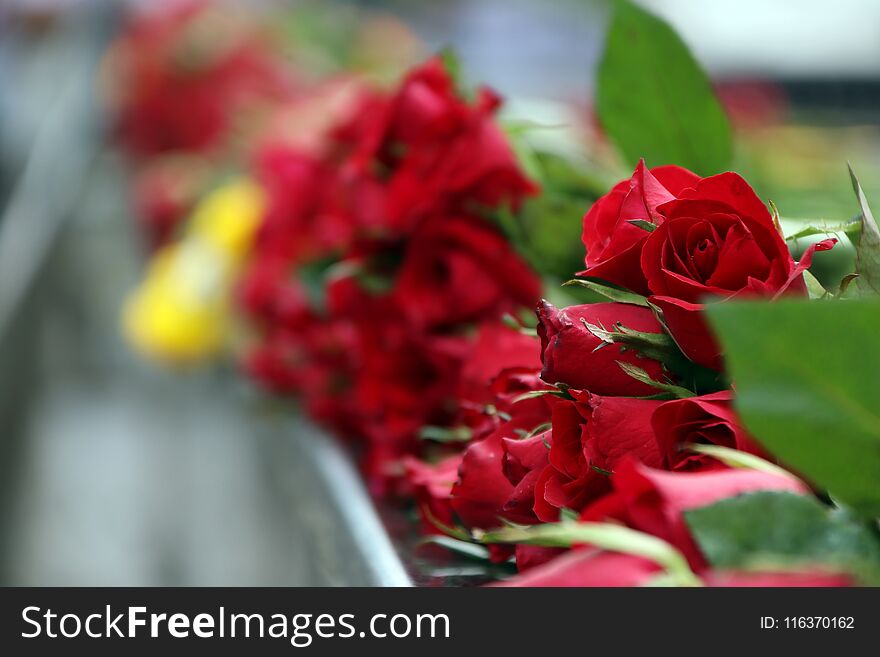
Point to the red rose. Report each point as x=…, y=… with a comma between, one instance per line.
x=654, y=501
x=432, y=486
x=685, y=324
x=404, y=381
x=571, y=355
x=308, y=214
x=476, y=164
x=171, y=72
x=590, y=436
x=313, y=361
x=705, y=420
x=482, y=489
x=717, y=240
x=523, y=462
x=276, y=362
x=613, y=244
x=269, y=293
x=436, y=151
x=497, y=348
x=460, y=270
x=502, y=365
x=425, y=109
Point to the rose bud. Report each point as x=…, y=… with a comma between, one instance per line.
x=570, y=354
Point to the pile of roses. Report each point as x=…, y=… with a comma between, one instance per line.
x=187, y=81
x=381, y=291
x=388, y=217
x=600, y=423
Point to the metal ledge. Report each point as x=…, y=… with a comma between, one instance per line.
x=117, y=473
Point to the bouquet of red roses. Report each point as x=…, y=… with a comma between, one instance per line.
x=376, y=261
x=626, y=423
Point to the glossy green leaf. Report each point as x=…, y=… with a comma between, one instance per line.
x=807, y=375
x=609, y=292
x=783, y=530
x=654, y=100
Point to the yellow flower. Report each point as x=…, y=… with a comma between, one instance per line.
x=181, y=312
x=228, y=218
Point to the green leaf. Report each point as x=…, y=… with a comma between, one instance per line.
x=868, y=245
x=452, y=63
x=568, y=515
x=459, y=533
x=644, y=225
x=845, y=283
x=807, y=375
x=822, y=229
x=653, y=99
x=814, y=288
x=541, y=428
x=526, y=157
x=547, y=229
x=677, y=392
x=458, y=434
x=515, y=324
x=607, y=536
x=783, y=530
x=313, y=277
x=613, y=293
x=533, y=394
x=652, y=345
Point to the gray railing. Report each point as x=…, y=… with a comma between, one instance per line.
x=114, y=472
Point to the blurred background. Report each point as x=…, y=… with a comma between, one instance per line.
x=117, y=472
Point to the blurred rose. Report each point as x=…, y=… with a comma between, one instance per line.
x=459, y=270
